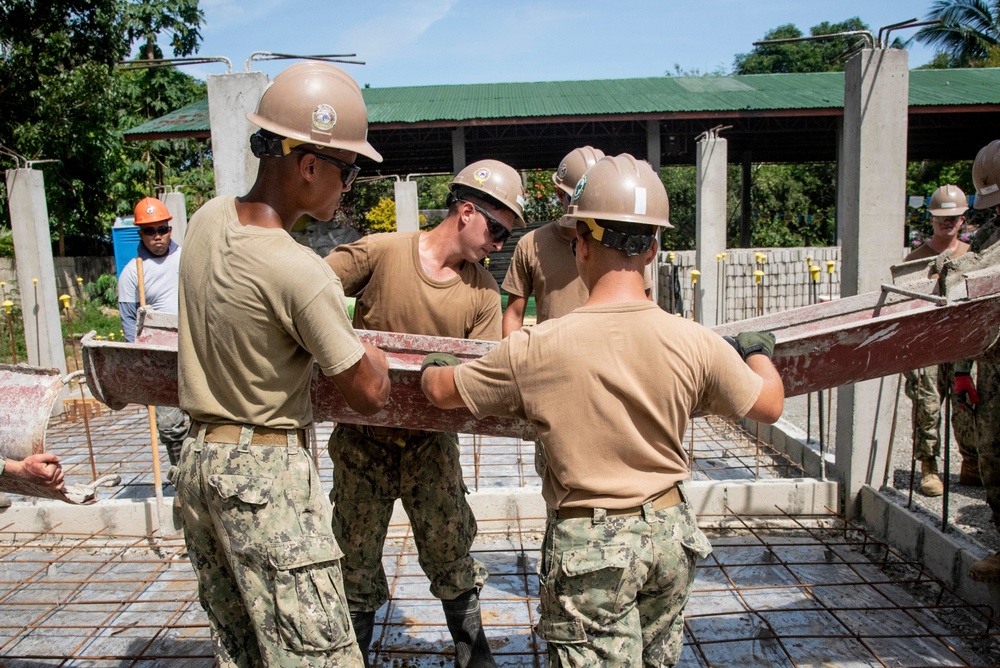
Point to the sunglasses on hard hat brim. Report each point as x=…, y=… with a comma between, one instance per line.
x=497, y=231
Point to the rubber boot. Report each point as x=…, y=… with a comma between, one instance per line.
x=930, y=483
x=969, y=474
x=465, y=623
x=986, y=570
x=364, y=627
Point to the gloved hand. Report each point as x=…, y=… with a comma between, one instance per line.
x=440, y=359
x=752, y=343
x=965, y=392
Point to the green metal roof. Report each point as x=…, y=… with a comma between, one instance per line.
x=650, y=96
x=189, y=121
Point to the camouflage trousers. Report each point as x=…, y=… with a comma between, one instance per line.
x=369, y=473
x=257, y=529
x=172, y=426
x=927, y=388
x=988, y=433
x=613, y=589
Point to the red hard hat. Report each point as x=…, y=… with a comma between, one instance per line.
x=150, y=210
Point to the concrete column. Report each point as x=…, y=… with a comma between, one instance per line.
x=29, y=217
x=653, y=144
x=407, y=215
x=177, y=206
x=870, y=217
x=457, y=150
x=711, y=158
x=230, y=98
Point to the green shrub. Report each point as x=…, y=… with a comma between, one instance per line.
x=104, y=290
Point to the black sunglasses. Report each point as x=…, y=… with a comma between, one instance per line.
x=348, y=171
x=155, y=231
x=497, y=231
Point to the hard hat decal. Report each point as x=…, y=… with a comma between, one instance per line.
x=324, y=118
x=150, y=209
x=563, y=168
x=580, y=185
x=948, y=205
x=482, y=174
x=640, y=202
x=520, y=202
x=987, y=189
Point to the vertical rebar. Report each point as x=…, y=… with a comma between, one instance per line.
x=673, y=275
x=8, y=305
x=725, y=288
x=947, y=455
x=38, y=329
x=694, y=294
x=79, y=384
x=758, y=277
x=718, y=287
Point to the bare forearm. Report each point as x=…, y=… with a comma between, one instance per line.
x=771, y=401
x=438, y=384
x=513, y=317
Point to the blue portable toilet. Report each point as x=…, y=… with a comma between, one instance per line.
x=125, y=239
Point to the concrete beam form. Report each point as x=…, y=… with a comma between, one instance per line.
x=36, y=274
x=407, y=211
x=520, y=508
x=230, y=98
x=711, y=158
x=870, y=221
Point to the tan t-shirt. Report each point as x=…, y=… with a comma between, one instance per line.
x=543, y=265
x=610, y=390
x=255, y=308
x=395, y=294
x=925, y=251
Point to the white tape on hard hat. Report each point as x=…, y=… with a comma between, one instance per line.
x=640, y=202
x=987, y=189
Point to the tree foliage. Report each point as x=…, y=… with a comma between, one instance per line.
x=809, y=56
x=63, y=100
x=969, y=34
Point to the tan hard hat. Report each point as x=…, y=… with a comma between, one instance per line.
x=986, y=176
x=316, y=103
x=620, y=188
x=150, y=211
x=574, y=165
x=948, y=200
x=498, y=180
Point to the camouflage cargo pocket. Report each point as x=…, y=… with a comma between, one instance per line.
x=310, y=607
x=252, y=490
x=605, y=574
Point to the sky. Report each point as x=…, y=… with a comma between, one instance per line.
x=429, y=42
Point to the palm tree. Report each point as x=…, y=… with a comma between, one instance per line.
x=970, y=29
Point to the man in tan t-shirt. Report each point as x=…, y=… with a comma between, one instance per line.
x=427, y=283
x=610, y=388
x=927, y=387
x=256, y=310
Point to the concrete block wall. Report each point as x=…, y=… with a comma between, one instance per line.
x=67, y=269
x=785, y=284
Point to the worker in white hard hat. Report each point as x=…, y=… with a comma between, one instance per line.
x=610, y=389
x=429, y=283
x=257, y=311
x=927, y=387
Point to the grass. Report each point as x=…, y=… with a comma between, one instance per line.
x=87, y=316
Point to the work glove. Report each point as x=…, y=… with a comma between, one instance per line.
x=440, y=359
x=965, y=392
x=752, y=343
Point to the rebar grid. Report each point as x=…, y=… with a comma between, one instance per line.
x=722, y=451
x=777, y=591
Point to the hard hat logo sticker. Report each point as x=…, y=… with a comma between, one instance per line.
x=580, y=185
x=562, y=171
x=482, y=174
x=324, y=118
x=150, y=209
